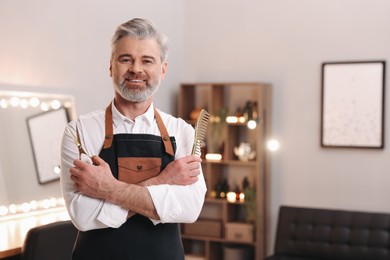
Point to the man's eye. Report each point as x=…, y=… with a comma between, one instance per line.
x=125, y=60
x=148, y=61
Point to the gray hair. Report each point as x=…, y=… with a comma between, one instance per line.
x=142, y=29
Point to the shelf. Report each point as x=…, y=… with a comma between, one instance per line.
x=219, y=218
x=223, y=201
x=232, y=162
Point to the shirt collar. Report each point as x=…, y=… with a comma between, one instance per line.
x=118, y=117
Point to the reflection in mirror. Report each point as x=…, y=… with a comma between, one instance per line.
x=19, y=181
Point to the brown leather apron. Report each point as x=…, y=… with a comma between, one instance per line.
x=134, y=158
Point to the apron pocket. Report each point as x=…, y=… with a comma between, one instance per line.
x=136, y=169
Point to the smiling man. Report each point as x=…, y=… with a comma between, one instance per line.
x=127, y=201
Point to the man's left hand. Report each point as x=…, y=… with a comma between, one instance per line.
x=94, y=180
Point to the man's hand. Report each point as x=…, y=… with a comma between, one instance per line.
x=183, y=171
x=98, y=182
x=95, y=180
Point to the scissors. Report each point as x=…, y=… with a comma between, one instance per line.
x=76, y=140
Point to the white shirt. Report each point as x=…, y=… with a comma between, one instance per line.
x=174, y=203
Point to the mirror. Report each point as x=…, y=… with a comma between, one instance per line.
x=24, y=177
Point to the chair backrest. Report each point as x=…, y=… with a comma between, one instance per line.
x=49, y=242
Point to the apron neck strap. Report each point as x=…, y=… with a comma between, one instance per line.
x=108, y=132
x=164, y=134
x=163, y=130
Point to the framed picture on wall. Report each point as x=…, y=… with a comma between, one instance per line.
x=46, y=130
x=352, y=106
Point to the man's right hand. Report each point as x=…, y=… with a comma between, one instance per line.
x=183, y=171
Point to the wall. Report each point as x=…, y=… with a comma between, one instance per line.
x=284, y=43
x=65, y=46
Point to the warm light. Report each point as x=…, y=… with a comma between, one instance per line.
x=12, y=208
x=214, y=156
x=231, y=196
x=251, y=124
x=241, y=119
x=14, y=101
x=273, y=145
x=242, y=197
x=231, y=119
x=23, y=103
x=26, y=207
x=3, y=103
x=57, y=169
x=53, y=202
x=3, y=210
x=34, y=204
x=60, y=202
x=34, y=102
x=55, y=104
x=44, y=107
x=215, y=119
x=45, y=204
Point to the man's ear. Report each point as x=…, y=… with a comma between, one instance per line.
x=111, y=68
x=164, y=70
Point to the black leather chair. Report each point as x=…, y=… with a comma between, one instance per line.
x=50, y=242
x=311, y=234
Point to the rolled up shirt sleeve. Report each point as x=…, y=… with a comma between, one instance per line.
x=178, y=204
x=85, y=212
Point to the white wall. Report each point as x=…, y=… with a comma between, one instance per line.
x=284, y=43
x=64, y=46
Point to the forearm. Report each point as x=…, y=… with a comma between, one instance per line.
x=135, y=198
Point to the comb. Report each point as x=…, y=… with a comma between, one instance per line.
x=200, y=131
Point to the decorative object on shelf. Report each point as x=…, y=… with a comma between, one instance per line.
x=250, y=204
x=250, y=110
x=235, y=196
x=231, y=196
x=244, y=152
x=248, y=115
x=218, y=131
x=221, y=189
x=194, y=114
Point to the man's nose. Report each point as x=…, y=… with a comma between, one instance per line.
x=136, y=67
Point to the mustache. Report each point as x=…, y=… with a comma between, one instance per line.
x=130, y=76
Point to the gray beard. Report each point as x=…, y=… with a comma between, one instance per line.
x=137, y=95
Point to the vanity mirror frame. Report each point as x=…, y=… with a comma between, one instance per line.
x=19, y=183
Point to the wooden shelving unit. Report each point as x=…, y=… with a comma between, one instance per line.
x=211, y=235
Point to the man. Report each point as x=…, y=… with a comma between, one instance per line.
x=127, y=201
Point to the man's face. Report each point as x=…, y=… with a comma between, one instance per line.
x=136, y=68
